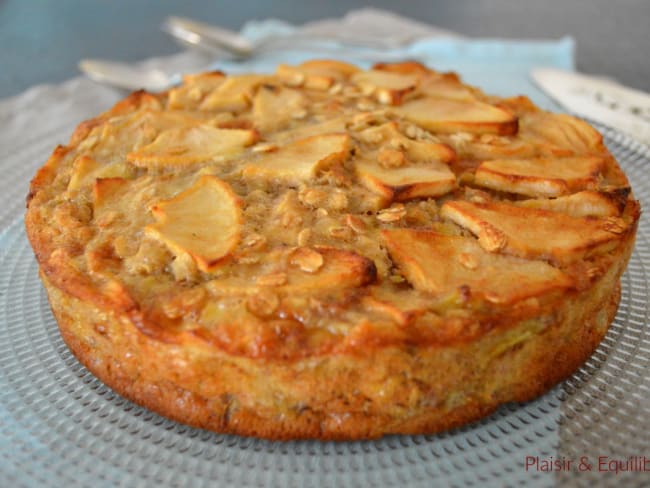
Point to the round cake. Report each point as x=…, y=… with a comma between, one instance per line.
x=331, y=253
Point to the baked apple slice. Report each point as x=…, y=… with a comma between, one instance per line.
x=415, y=150
x=300, y=160
x=540, y=177
x=194, y=88
x=560, y=238
x=444, y=87
x=203, y=221
x=447, y=115
x=389, y=88
x=316, y=74
x=559, y=134
x=309, y=269
x=586, y=203
x=105, y=190
x=441, y=265
x=274, y=106
x=408, y=181
x=189, y=145
x=118, y=136
x=86, y=170
x=234, y=94
x=327, y=126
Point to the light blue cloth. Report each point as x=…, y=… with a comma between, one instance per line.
x=498, y=66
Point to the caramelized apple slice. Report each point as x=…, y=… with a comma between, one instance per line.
x=446, y=88
x=416, y=151
x=405, y=67
x=559, y=134
x=203, y=221
x=119, y=135
x=582, y=204
x=389, y=88
x=500, y=148
x=543, y=177
x=421, y=151
x=190, y=145
x=447, y=115
x=436, y=84
x=194, y=88
x=328, y=126
x=86, y=170
x=337, y=69
x=234, y=94
x=337, y=268
x=83, y=171
x=105, y=190
x=158, y=120
x=441, y=264
x=149, y=121
x=407, y=182
x=316, y=74
x=534, y=233
x=300, y=160
x=273, y=107
x=340, y=268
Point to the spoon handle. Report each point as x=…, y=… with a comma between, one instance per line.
x=207, y=36
x=127, y=76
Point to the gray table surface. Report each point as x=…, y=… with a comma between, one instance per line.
x=41, y=41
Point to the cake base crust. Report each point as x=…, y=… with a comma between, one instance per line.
x=115, y=352
x=331, y=253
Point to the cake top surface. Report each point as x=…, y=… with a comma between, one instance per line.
x=326, y=209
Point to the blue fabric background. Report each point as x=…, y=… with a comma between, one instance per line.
x=499, y=67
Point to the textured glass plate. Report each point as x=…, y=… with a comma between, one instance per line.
x=60, y=426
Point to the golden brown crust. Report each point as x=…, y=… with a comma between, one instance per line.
x=354, y=253
x=528, y=372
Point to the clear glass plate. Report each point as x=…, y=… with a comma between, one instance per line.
x=60, y=426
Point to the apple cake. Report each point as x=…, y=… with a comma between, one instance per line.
x=331, y=253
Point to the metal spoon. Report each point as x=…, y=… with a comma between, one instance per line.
x=127, y=76
x=208, y=37
x=211, y=39
x=225, y=43
x=217, y=39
